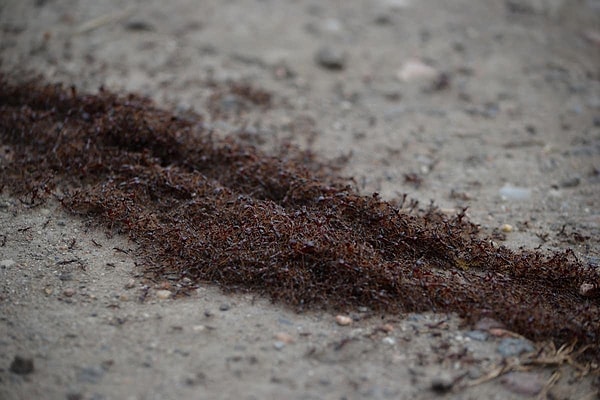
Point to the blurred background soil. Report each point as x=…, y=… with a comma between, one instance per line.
x=490, y=105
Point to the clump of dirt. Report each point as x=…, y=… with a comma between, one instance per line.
x=207, y=209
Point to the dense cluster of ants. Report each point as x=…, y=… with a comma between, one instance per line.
x=206, y=209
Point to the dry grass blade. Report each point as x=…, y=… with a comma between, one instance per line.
x=102, y=20
x=568, y=353
x=546, y=356
x=492, y=374
x=548, y=385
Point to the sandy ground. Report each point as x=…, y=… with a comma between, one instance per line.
x=494, y=105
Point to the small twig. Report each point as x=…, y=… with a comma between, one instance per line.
x=338, y=346
x=564, y=355
x=102, y=20
x=437, y=324
x=551, y=382
x=493, y=374
x=65, y=262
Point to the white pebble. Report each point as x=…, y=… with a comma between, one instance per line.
x=416, y=70
x=343, y=320
x=509, y=192
x=389, y=340
x=507, y=228
x=164, y=294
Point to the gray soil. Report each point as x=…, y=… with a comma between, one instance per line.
x=499, y=112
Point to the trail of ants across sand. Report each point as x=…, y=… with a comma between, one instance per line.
x=207, y=209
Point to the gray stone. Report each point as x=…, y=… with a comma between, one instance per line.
x=21, y=365
x=93, y=374
x=510, y=347
x=139, y=25
x=570, y=182
x=480, y=336
x=442, y=383
x=523, y=383
x=331, y=58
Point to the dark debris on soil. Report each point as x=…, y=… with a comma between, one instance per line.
x=214, y=210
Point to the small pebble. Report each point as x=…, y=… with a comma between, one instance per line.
x=524, y=383
x=231, y=103
x=195, y=379
x=509, y=192
x=278, y=345
x=69, y=292
x=416, y=70
x=224, y=307
x=588, y=289
x=571, y=182
x=502, y=333
x=93, y=374
x=480, y=336
x=65, y=276
x=164, y=294
x=331, y=58
x=510, y=347
x=324, y=382
x=283, y=337
x=343, y=320
x=442, y=383
x=331, y=25
x=284, y=321
x=164, y=286
x=474, y=373
x=486, y=323
x=383, y=19
x=389, y=340
x=506, y=228
x=21, y=365
x=130, y=284
x=138, y=25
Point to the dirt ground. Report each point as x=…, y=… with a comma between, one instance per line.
x=494, y=105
